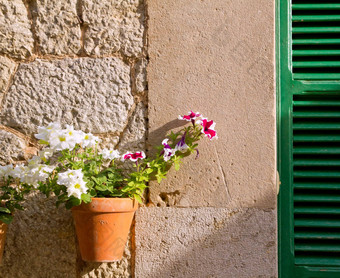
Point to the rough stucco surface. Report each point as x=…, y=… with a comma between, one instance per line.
x=16, y=39
x=12, y=148
x=205, y=242
x=133, y=138
x=91, y=94
x=214, y=61
x=57, y=26
x=7, y=68
x=40, y=242
x=113, y=26
x=93, y=89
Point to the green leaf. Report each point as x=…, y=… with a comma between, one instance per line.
x=86, y=198
x=72, y=203
x=6, y=218
x=138, y=198
x=5, y=210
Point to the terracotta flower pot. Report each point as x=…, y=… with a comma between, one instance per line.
x=3, y=231
x=102, y=227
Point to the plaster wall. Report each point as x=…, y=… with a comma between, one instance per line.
x=216, y=217
x=85, y=62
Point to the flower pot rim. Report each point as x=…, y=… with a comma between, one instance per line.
x=108, y=205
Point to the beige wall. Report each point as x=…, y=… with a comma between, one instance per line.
x=215, y=57
x=214, y=218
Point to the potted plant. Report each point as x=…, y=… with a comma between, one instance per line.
x=90, y=182
x=13, y=191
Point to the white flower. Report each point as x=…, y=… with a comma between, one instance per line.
x=110, y=154
x=45, y=154
x=6, y=171
x=89, y=140
x=77, y=188
x=59, y=141
x=19, y=172
x=44, y=133
x=69, y=177
x=73, y=180
x=73, y=136
x=34, y=161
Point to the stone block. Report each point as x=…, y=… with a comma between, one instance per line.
x=134, y=135
x=16, y=38
x=56, y=26
x=113, y=26
x=140, y=75
x=213, y=61
x=7, y=68
x=205, y=242
x=12, y=148
x=91, y=94
x=40, y=242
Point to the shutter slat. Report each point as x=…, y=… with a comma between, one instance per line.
x=316, y=114
x=313, y=30
x=322, y=223
x=308, y=126
x=317, y=210
x=315, y=18
x=317, y=103
x=316, y=235
x=316, y=41
x=316, y=64
x=316, y=174
x=316, y=162
x=315, y=6
x=316, y=138
x=316, y=150
x=316, y=52
x=316, y=198
x=316, y=261
x=317, y=247
x=317, y=185
x=316, y=76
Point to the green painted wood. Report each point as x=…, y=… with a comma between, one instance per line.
x=315, y=18
x=316, y=210
x=319, y=223
x=317, y=185
x=316, y=138
x=316, y=52
x=316, y=235
x=320, y=6
x=317, y=41
x=314, y=64
x=316, y=198
x=308, y=68
x=314, y=30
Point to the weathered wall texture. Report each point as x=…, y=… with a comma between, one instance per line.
x=83, y=62
x=80, y=62
x=215, y=57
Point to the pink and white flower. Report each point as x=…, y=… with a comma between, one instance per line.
x=181, y=146
x=168, y=152
x=133, y=156
x=208, y=128
x=190, y=117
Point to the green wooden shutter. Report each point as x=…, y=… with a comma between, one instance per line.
x=309, y=137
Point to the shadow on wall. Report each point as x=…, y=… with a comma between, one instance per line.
x=41, y=243
x=205, y=243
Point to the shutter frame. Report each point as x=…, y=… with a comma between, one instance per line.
x=301, y=86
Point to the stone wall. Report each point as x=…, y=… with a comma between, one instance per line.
x=79, y=62
x=84, y=62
